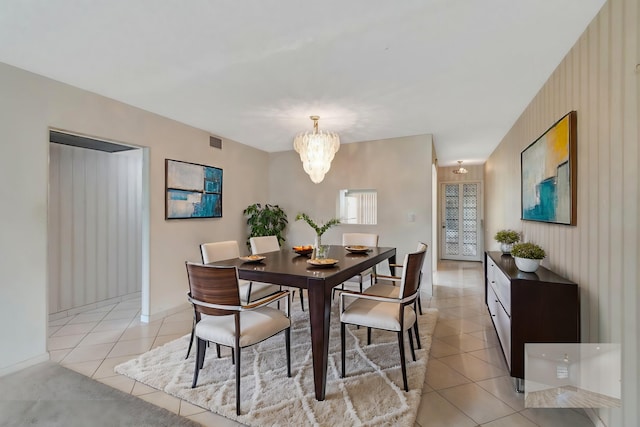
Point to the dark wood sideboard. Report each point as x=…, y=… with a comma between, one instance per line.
x=540, y=307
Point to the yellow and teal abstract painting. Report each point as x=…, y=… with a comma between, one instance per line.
x=548, y=174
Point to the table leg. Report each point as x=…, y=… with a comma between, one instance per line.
x=319, y=316
x=392, y=260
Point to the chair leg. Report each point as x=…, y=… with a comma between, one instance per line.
x=193, y=332
x=342, y=349
x=249, y=292
x=205, y=344
x=238, y=381
x=218, y=350
x=413, y=351
x=402, y=361
x=419, y=303
x=302, y=299
x=287, y=343
x=233, y=357
x=415, y=329
x=368, y=336
x=200, y=349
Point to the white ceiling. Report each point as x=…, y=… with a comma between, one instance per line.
x=255, y=70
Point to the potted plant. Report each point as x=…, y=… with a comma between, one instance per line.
x=319, y=248
x=269, y=220
x=527, y=256
x=507, y=238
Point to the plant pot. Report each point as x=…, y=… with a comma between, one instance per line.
x=506, y=247
x=526, y=264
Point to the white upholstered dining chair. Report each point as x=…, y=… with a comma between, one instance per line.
x=223, y=319
x=249, y=291
x=392, y=290
x=388, y=313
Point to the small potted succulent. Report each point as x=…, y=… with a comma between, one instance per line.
x=507, y=238
x=528, y=256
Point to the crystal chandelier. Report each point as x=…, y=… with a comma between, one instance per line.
x=316, y=150
x=460, y=168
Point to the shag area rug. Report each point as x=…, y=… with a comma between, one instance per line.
x=371, y=394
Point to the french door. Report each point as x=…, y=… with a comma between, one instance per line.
x=461, y=221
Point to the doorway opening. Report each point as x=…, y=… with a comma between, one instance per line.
x=97, y=224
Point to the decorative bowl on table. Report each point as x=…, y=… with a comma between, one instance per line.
x=357, y=249
x=322, y=262
x=303, y=250
x=252, y=258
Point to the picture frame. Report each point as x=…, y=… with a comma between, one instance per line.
x=192, y=190
x=549, y=174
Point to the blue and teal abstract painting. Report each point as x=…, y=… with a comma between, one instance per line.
x=193, y=191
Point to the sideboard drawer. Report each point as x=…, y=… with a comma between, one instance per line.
x=503, y=290
x=502, y=323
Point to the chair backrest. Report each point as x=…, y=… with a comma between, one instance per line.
x=217, y=251
x=411, y=273
x=364, y=239
x=213, y=285
x=263, y=244
x=422, y=247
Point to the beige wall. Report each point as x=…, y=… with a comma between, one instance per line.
x=399, y=169
x=598, y=79
x=29, y=106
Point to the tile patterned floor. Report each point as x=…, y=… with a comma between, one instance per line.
x=467, y=383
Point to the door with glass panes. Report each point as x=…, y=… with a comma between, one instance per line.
x=461, y=227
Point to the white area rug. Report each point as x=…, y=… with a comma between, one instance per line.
x=371, y=394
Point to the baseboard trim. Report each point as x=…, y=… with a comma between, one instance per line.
x=162, y=314
x=24, y=364
x=593, y=416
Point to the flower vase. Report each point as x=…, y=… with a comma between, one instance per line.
x=506, y=248
x=320, y=250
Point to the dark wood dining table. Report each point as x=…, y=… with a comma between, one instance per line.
x=286, y=268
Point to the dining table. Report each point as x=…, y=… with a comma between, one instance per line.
x=287, y=268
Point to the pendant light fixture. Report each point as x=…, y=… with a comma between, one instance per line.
x=460, y=169
x=316, y=150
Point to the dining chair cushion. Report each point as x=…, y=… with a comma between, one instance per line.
x=378, y=315
x=255, y=326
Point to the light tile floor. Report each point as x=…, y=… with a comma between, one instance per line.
x=467, y=383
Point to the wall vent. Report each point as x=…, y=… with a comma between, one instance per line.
x=215, y=142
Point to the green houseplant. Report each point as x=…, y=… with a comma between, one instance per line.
x=269, y=220
x=320, y=230
x=527, y=256
x=507, y=238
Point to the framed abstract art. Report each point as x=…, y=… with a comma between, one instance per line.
x=548, y=168
x=192, y=190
